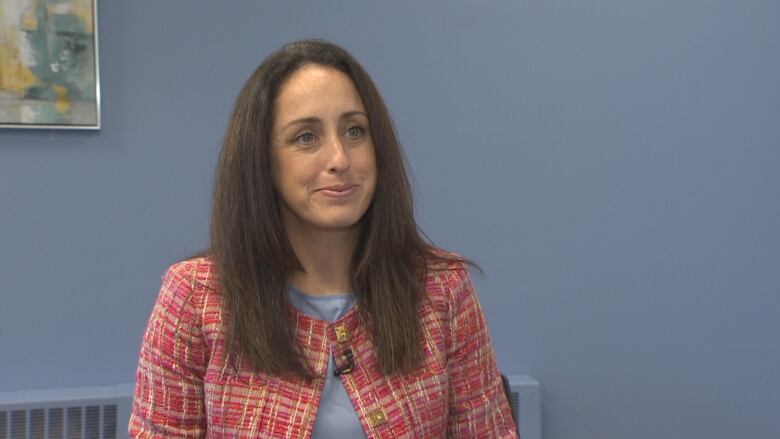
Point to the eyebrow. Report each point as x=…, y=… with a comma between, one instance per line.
x=314, y=120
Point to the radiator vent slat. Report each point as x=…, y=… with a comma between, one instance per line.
x=74, y=423
x=515, y=397
x=56, y=427
x=109, y=421
x=18, y=424
x=92, y=423
x=37, y=424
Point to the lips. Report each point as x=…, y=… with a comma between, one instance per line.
x=338, y=190
x=338, y=187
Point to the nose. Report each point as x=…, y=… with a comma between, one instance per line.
x=337, y=156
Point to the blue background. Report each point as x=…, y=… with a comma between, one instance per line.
x=613, y=165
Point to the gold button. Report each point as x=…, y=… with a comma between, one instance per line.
x=342, y=333
x=376, y=417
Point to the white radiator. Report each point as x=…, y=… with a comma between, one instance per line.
x=103, y=412
x=74, y=413
x=527, y=404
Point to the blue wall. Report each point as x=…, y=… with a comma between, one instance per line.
x=613, y=165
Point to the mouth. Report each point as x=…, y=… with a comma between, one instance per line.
x=339, y=191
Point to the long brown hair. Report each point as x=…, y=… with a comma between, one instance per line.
x=254, y=257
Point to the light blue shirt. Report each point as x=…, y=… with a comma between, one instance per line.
x=336, y=417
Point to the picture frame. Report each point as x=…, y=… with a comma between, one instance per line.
x=49, y=64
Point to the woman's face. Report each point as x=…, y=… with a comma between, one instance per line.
x=322, y=157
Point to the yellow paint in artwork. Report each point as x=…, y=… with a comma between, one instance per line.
x=61, y=99
x=29, y=21
x=84, y=12
x=15, y=77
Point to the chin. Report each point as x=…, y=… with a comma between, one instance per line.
x=337, y=222
x=339, y=225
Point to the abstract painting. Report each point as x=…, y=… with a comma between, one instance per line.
x=48, y=64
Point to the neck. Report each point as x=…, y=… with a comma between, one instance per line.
x=326, y=257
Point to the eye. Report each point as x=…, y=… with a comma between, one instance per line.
x=355, y=132
x=306, y=138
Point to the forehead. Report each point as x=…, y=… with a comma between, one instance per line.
x=316, y=91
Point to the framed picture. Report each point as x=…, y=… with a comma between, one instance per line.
x=49, y=64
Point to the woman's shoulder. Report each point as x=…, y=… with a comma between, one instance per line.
x=446, y=275
x=188, y=285
x=200, y=270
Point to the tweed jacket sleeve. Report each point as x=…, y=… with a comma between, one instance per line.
x=171, y=365
x=478, y=405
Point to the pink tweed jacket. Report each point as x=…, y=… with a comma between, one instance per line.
x=188, y=386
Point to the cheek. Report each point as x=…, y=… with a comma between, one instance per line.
x=295, y=178
x=368, y=175
x=280, y=178
x=368, y=165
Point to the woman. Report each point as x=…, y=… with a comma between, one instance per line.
x=318, y=310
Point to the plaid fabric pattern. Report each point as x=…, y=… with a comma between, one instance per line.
x=188, y=385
